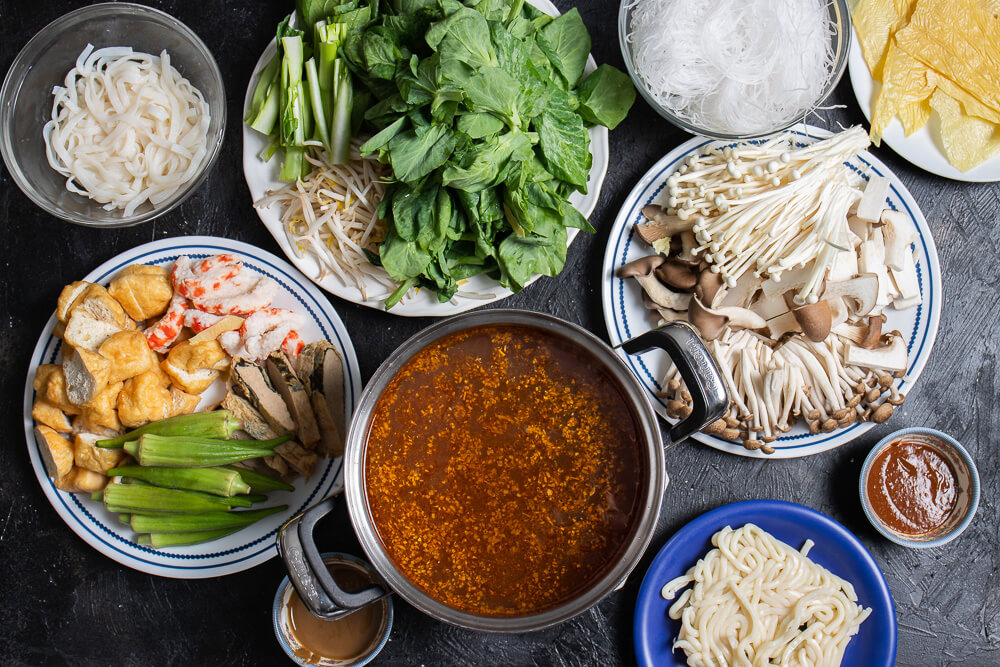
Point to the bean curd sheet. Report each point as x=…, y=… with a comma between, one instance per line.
x=504, y=470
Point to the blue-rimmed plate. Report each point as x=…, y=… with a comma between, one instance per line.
x=836, y=549
x=251, y=546
x=626, y=317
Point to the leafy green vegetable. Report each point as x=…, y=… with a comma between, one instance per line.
x=566, y=42
x=479, y=109
x=605, y=96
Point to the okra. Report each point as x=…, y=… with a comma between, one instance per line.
x=259, y=482
x=160, y=451
x=233, y=501
x=208, y=480
x=189, y=523
x=161, y=540
x=219, y=424
x=125, y=518
x=135, y=498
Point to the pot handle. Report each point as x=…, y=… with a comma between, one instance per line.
x=308, y=573
x=704, y=380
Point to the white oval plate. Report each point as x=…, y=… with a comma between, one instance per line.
x=922, y=148
x=250, y=546
x=262, y=177
x=626, y=317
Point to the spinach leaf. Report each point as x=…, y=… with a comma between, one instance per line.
x=412, y=211
x=605, y=96
x=463, y=36
x=402, y=259
x=479, y=125
x=520, y=257
x=382, y=138
x=416, y=153
x=489, y=163
x=566, y=42
x=564, y=142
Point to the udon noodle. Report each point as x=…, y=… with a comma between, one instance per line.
x=757, y=601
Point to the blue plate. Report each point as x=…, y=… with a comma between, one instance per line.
x=837, y=549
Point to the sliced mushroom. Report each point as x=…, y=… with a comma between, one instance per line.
x=688, y=244
x=707, y=289
x=863, y=291
x=874, y=333
x=890, y=357
x=898, y=233
x=709, y=324
x=740, y=294
x=643, y=271
x=679, y=275
x=660, y=224
x=816, y=319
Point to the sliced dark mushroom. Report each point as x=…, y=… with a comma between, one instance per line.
x=679, y=275
x=643, y=271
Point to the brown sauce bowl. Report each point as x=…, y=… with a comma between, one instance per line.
x=697, y=367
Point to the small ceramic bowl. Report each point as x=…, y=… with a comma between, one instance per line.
x=966, y=479
x=282, y=625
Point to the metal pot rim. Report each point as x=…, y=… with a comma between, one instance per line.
x=357, y=500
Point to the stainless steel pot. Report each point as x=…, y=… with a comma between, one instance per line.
x=679, y=340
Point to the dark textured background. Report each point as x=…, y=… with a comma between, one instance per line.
x=62, y=602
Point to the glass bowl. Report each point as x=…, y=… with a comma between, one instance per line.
x=966, y=482
x=26, y=101
x=841, y=39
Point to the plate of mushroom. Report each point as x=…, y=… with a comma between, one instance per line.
x=806, y=266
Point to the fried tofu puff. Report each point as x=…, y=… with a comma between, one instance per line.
x=87, y=455
x=102, y=411
x=143, y=399
x=194, y=368
x=56, y=451
x=183, y=402
x=50, y=415
x=128, y=354
x=144, y=291
x=50, y=384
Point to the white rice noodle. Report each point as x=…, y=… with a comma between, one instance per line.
x=126, y=128
x=733, y=66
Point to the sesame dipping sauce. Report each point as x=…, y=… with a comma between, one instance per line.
x=911, y=488
x=504, y=470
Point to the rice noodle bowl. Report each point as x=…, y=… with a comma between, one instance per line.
x=735, y=67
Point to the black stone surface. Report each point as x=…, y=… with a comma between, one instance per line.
x=61, y=602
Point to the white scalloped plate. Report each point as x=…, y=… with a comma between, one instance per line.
x=250, y=546
x=626, y=317
x=262, y=177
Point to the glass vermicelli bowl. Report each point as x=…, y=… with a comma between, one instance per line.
x=26, y=101
x=840, y=36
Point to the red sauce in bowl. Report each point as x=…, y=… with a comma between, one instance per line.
x=911, y=488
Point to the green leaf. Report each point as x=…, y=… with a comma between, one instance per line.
x=521, y=257
x=463, y=36
x=415, y=153
x=479, y=125
x=488, y=166
x=382, y=53
x=402, y=259
x=566, y=42
x=605, y=96
x=565, y=142
x=383, y=137
x=412, y=210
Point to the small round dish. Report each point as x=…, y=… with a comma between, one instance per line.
x=26, y=101
x=841, y=38
x=836, y=549
x=967, y=481
x=302, y=656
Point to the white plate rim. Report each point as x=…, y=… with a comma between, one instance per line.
x=165, y=562
x=929, y=312
x=920, y=148
x=424, y=303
